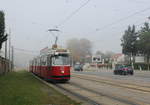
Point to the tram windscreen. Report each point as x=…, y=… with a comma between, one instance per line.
x=61, y=60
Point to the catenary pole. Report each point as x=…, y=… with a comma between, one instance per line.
x=9, y=50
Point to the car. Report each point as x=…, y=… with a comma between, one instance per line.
x=123, y=70
x=78, y=67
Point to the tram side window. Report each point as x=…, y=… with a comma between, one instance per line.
x=29, y=63
x=32, y=63
x=44, y=61
x=49, y=60
x=36, y=62
x=39, y=62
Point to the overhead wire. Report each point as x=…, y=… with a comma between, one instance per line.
x=25, y=50
x=69, y=17
x=105, y=26
x=73, y=13
x=60, y=24
x=122, y=19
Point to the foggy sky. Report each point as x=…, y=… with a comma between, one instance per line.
x=29, y=21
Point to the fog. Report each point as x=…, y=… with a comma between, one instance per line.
x=101, y=21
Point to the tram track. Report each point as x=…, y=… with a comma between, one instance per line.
x=95, y=97
x=111, y=96
x=88, y=100
x=68, y=92
x=118, y=100
x=113, y=83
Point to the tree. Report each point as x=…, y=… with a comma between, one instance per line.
x=80, y=48
x=98, y=52
x=3, y=37
x=146, y=28
x=109, y=54
x=144, y=41
x=73, y=47
x=129, y=42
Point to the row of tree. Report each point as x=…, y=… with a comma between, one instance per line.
x=136, y=42
x=3, y=36
x=81, y=50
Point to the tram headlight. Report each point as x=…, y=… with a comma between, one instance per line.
x=62, y=71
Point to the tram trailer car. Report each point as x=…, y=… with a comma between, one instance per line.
x=52, y=65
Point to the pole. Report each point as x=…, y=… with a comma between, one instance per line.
x=12, y=66
x=6, y=70
x=6, y=49
x=9, y=50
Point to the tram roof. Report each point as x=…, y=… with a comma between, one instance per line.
x=55, y=51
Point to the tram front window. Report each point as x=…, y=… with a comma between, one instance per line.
x=61, y=60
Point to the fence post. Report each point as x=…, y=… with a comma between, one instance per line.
x=4, y=65
x=0, y=66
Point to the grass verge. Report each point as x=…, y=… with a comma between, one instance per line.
x=21, y=88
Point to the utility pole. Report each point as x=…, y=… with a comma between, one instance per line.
x=12, y=66
x=6, y=49
x=9, y=50
x=6, y=68
x=72, y=60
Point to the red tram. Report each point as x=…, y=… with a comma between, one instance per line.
x=52, y=64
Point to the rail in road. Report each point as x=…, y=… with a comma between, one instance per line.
x=94, y=97
x=76, y=92
x=87, y=95
x=118, y=83
x=133, y=88
x=68, y=92
x=91, y=96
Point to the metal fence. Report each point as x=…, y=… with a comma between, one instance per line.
x=4, y=65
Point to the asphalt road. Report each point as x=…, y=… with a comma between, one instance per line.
x=139, y=76
x=109, y=89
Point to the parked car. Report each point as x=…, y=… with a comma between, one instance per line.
x=123, y=70
x=78, y=67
